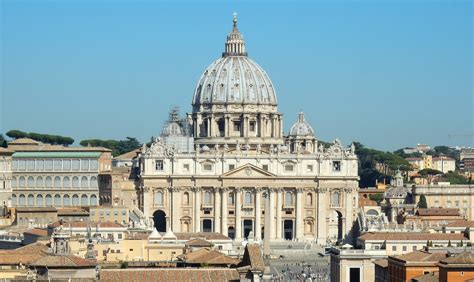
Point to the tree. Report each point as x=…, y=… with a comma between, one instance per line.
x=44, y=138
x=376, y=197
x=118, y=147
x=3, y=142
x=15, y=134
x=422, y=203
x=429, y=171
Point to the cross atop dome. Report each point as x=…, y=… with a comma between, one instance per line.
x=235, y=45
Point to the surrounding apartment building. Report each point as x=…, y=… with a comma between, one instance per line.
x=5, y=180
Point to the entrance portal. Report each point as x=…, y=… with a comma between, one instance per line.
x=159, y=220
x=248, y=226
x=288, y=229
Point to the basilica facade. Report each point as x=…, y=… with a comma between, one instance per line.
x=229, y=167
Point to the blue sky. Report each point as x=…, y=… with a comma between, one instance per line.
x=389, y=74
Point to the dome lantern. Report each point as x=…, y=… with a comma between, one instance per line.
x=235, y=45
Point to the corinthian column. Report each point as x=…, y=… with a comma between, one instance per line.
x=217, y=210
x=238, y=219
x=224, y=211
x=197, y=209
x=146, y=201
x=175, y=209
x=271, y=213
x=258, y=213
x=322, y=223
x=278, y=212
x=299, y=214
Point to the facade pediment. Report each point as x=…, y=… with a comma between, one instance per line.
x=248, y=170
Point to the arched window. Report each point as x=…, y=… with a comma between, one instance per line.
x=186, y=198
x=231, y=200
x=66, y=201
x=31, y=200
x=57, y=200
x=288, y=198
x=75, y=200
x=94, y=183
x=93, y=200
x=22, y=200
x=84, y=182
x=309, y=199
x=335, y=199
x=66, y=182
x=48, y=182
x=158, y=198
x=207, y=197
x=84, y=200
x=39, y=182
x=48, y=200
x=14, y=200
x=31, y=182
x=22, y=182
x=14, y=182
x=57, y=182
x=39, y=200
x=248, y=198
x=75, y=182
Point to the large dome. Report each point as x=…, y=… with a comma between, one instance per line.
x=234, y=78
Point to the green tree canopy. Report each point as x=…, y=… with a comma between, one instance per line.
x=44, y=138
x=422, y=202
x=369, y=158
x=118, y=147
x=429, y=171
x=3, y=142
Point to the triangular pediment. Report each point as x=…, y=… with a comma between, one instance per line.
x=248, y=171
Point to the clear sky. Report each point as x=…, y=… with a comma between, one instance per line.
x=389, y=74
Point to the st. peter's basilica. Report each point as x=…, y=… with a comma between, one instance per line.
x=228, y=167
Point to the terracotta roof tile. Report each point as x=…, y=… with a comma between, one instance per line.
x=128, y=155
x=204, y=235
x=255, y=256
x=166, y=274
x=438, y=211
x=400, y=236
x=69, y=261
x=422, y=256
x=464, y=258
x=381, y=262
x=461, y=223
x=208, y=257
x=24, y=255
x=37, y=231
x=198, y=242
x=430, y=277
x=83, y=224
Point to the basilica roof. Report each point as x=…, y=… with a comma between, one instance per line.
x=301, y=127
x=234, y=78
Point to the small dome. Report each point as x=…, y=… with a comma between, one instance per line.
x=301, y=127
x=172, y=129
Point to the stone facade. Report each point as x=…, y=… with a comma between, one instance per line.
x=244, y=169
x=5, y=180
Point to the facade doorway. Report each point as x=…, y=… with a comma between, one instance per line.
x=159, y=220
x=288, y=229
x=248, y=226
x=231, y=232
x=207, y=225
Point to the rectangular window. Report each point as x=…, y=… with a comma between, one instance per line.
x=22, y=165
x=207, y=167
x=30, y=165
x=394, y=248
x=309, y=168
x=236, y=125
x=207, y=212
x=336, y=165
x=120, y=236
x=288, y=167
x=413, y=248
x=231, y=212
x=265, y=167
x=66, y=165
x=159, y=165
x=404, y=248
x=231, y=167
x=131, y=250
x=186, y=167
x=252, y=126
